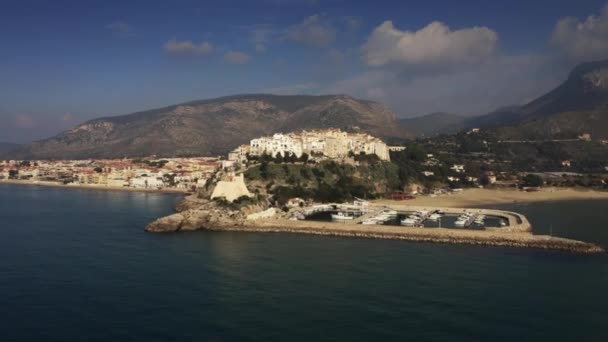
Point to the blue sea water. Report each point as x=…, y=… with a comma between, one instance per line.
x=76, y=265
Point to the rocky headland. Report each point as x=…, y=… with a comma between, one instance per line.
x=198, y=214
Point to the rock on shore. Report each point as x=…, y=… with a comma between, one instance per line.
x=167, y=224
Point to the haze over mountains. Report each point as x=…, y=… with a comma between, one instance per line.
x=7, y=147
x=215, y=126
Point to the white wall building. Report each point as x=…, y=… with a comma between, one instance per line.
x=332, y=143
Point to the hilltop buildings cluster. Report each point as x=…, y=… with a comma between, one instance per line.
x=329, y=143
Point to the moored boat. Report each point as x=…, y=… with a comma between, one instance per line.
x=342, y=216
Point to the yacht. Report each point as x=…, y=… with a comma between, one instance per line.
x=371, y=221
x=389, y=213
x=460, y=223
x=434, y=217
x=342, y=216
x=298, y=217
x=409, y=222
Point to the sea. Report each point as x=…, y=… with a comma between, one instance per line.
x=76, y=265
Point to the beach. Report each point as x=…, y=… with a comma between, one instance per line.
x=481, y=197
x=90, y=187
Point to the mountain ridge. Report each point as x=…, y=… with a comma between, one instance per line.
x=212, y=126
x=577, y=105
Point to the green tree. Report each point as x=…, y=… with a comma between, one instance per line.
x=264, y=169
x=532, y=180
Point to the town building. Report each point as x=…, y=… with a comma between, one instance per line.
x=329, y=143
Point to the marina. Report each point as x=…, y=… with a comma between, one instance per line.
x=449, y=218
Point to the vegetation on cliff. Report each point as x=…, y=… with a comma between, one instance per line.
x=327, y=181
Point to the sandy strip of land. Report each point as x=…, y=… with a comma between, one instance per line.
x=89, y=187
x=481, y=197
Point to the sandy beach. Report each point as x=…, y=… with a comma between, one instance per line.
x=481, y=197
x=90, y=187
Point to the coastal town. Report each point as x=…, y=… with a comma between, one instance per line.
x=430, y=167
x=188, y=174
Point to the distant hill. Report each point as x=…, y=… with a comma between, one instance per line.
x=579, y=105
x=212, y=127
x=7, y=147
x=434, y=124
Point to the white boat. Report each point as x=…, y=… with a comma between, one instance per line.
x=409, y=222
x=298, y=217
x=342, y=217
x=434, y=217
x=389, y=213
x=460, y=223
x=370, y=221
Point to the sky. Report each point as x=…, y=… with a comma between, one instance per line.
x=65, y=62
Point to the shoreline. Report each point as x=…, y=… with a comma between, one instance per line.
x=91, y=187
x=485, y=197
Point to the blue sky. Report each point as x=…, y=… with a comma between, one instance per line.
x=64, y=62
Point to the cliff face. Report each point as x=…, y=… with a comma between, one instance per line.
x=211, y=127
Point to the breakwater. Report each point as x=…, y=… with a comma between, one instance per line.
x=437, y=235
x=201, y=220
x=199, y=214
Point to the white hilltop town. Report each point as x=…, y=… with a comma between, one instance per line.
x=318, y=144
x=327, y=143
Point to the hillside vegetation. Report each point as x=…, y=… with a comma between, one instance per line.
x=327, y=181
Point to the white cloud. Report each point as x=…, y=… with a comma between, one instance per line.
x=260, y=36
x=433, y=46
x=352, y=23
x=188, y=48
x=236, y=57
x=336, y=56
x=314, y=31
x=259, y=47
x=121, y=28
x=581, y=41
x=502, y=81
x=24, y=121
x=67, y=117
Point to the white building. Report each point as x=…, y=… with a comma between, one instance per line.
x=147, y=182
x=459, y=168
x=331, y=143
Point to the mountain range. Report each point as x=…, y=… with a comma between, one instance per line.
x=578, y=105
x=212, y=127
x=215, y=126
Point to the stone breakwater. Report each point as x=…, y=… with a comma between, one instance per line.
x=215, y=219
